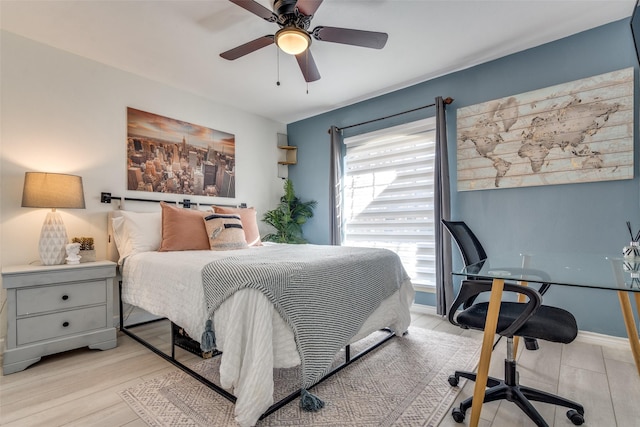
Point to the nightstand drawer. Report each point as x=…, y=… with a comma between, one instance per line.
x=51, y=298
x=51, y=326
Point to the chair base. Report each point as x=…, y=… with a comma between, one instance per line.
x=509, y=389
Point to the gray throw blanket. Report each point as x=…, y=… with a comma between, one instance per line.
x=324, y=293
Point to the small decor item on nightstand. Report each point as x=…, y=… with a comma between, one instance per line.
x=633, y=250
x=87, y=250
x=73, y=250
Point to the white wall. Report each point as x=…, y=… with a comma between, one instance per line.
x=63, y=113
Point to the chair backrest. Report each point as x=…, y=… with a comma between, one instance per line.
x=468, y=244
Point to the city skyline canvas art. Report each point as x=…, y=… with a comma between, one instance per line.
x=167, y=155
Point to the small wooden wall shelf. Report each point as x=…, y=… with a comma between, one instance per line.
x=289, y=155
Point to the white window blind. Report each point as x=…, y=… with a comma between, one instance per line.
x=388, y=195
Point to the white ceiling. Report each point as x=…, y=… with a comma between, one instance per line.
x=178, y=43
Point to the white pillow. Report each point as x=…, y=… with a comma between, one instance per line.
x=137, y=232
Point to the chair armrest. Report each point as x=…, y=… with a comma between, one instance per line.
x=543, y=288
x=540, y=274
x=470, y=289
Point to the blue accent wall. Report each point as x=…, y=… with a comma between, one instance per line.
x=587, y=217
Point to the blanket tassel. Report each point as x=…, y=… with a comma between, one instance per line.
x=310, y=402
x=208, y=341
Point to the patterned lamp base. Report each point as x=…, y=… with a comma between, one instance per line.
x=53, y=239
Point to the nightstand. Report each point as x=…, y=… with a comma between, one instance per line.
x=55, y=308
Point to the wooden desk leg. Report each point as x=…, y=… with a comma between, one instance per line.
x=491, y=323
x=630, y=324
x=516, y=340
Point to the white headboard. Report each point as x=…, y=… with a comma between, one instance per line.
x=112, y=250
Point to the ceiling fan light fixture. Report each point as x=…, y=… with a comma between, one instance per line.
x=292, y=40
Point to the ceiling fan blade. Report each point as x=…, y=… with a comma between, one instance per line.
x=247, y=48
x=308, y=66
x=308, y=7
x=361, y=38
x=256, y=9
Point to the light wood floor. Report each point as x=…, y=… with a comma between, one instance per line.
x=80, y=387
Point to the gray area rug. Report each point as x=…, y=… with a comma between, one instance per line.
x=402, y=383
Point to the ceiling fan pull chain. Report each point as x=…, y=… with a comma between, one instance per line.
x=307, y=59
x=278, y=66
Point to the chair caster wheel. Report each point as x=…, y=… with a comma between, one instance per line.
x=575, y=417
x=453, y=380
x=458, y=415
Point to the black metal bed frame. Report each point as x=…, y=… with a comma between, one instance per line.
x=215, y=387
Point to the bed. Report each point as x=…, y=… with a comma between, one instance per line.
x=252, y=336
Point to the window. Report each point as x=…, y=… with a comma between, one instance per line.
x=388, y=195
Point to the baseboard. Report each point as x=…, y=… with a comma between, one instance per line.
x=424, y=309
x=603, y=340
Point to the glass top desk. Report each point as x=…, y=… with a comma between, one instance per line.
x=578, y=270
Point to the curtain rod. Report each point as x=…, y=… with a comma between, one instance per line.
x=107, y=197
x=447, y=101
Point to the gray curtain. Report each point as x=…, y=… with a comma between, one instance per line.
x=442, y=210
x=335, y=186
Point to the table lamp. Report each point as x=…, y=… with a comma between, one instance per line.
x=52, y=190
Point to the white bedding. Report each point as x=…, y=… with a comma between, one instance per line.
x=252, y=335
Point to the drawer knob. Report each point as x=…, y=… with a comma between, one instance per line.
x=65, y=324
x=65, y=297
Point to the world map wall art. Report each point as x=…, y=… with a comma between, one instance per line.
x=171, y=156
x=575, y=132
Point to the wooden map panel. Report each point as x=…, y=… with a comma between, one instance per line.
x=575, y=132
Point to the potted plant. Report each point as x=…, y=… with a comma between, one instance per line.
x=87, y=250
x=288, y=217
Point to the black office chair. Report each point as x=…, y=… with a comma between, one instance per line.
x=472, y=252
x=525, y=319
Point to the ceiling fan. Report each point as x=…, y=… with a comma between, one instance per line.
x=294, y=18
